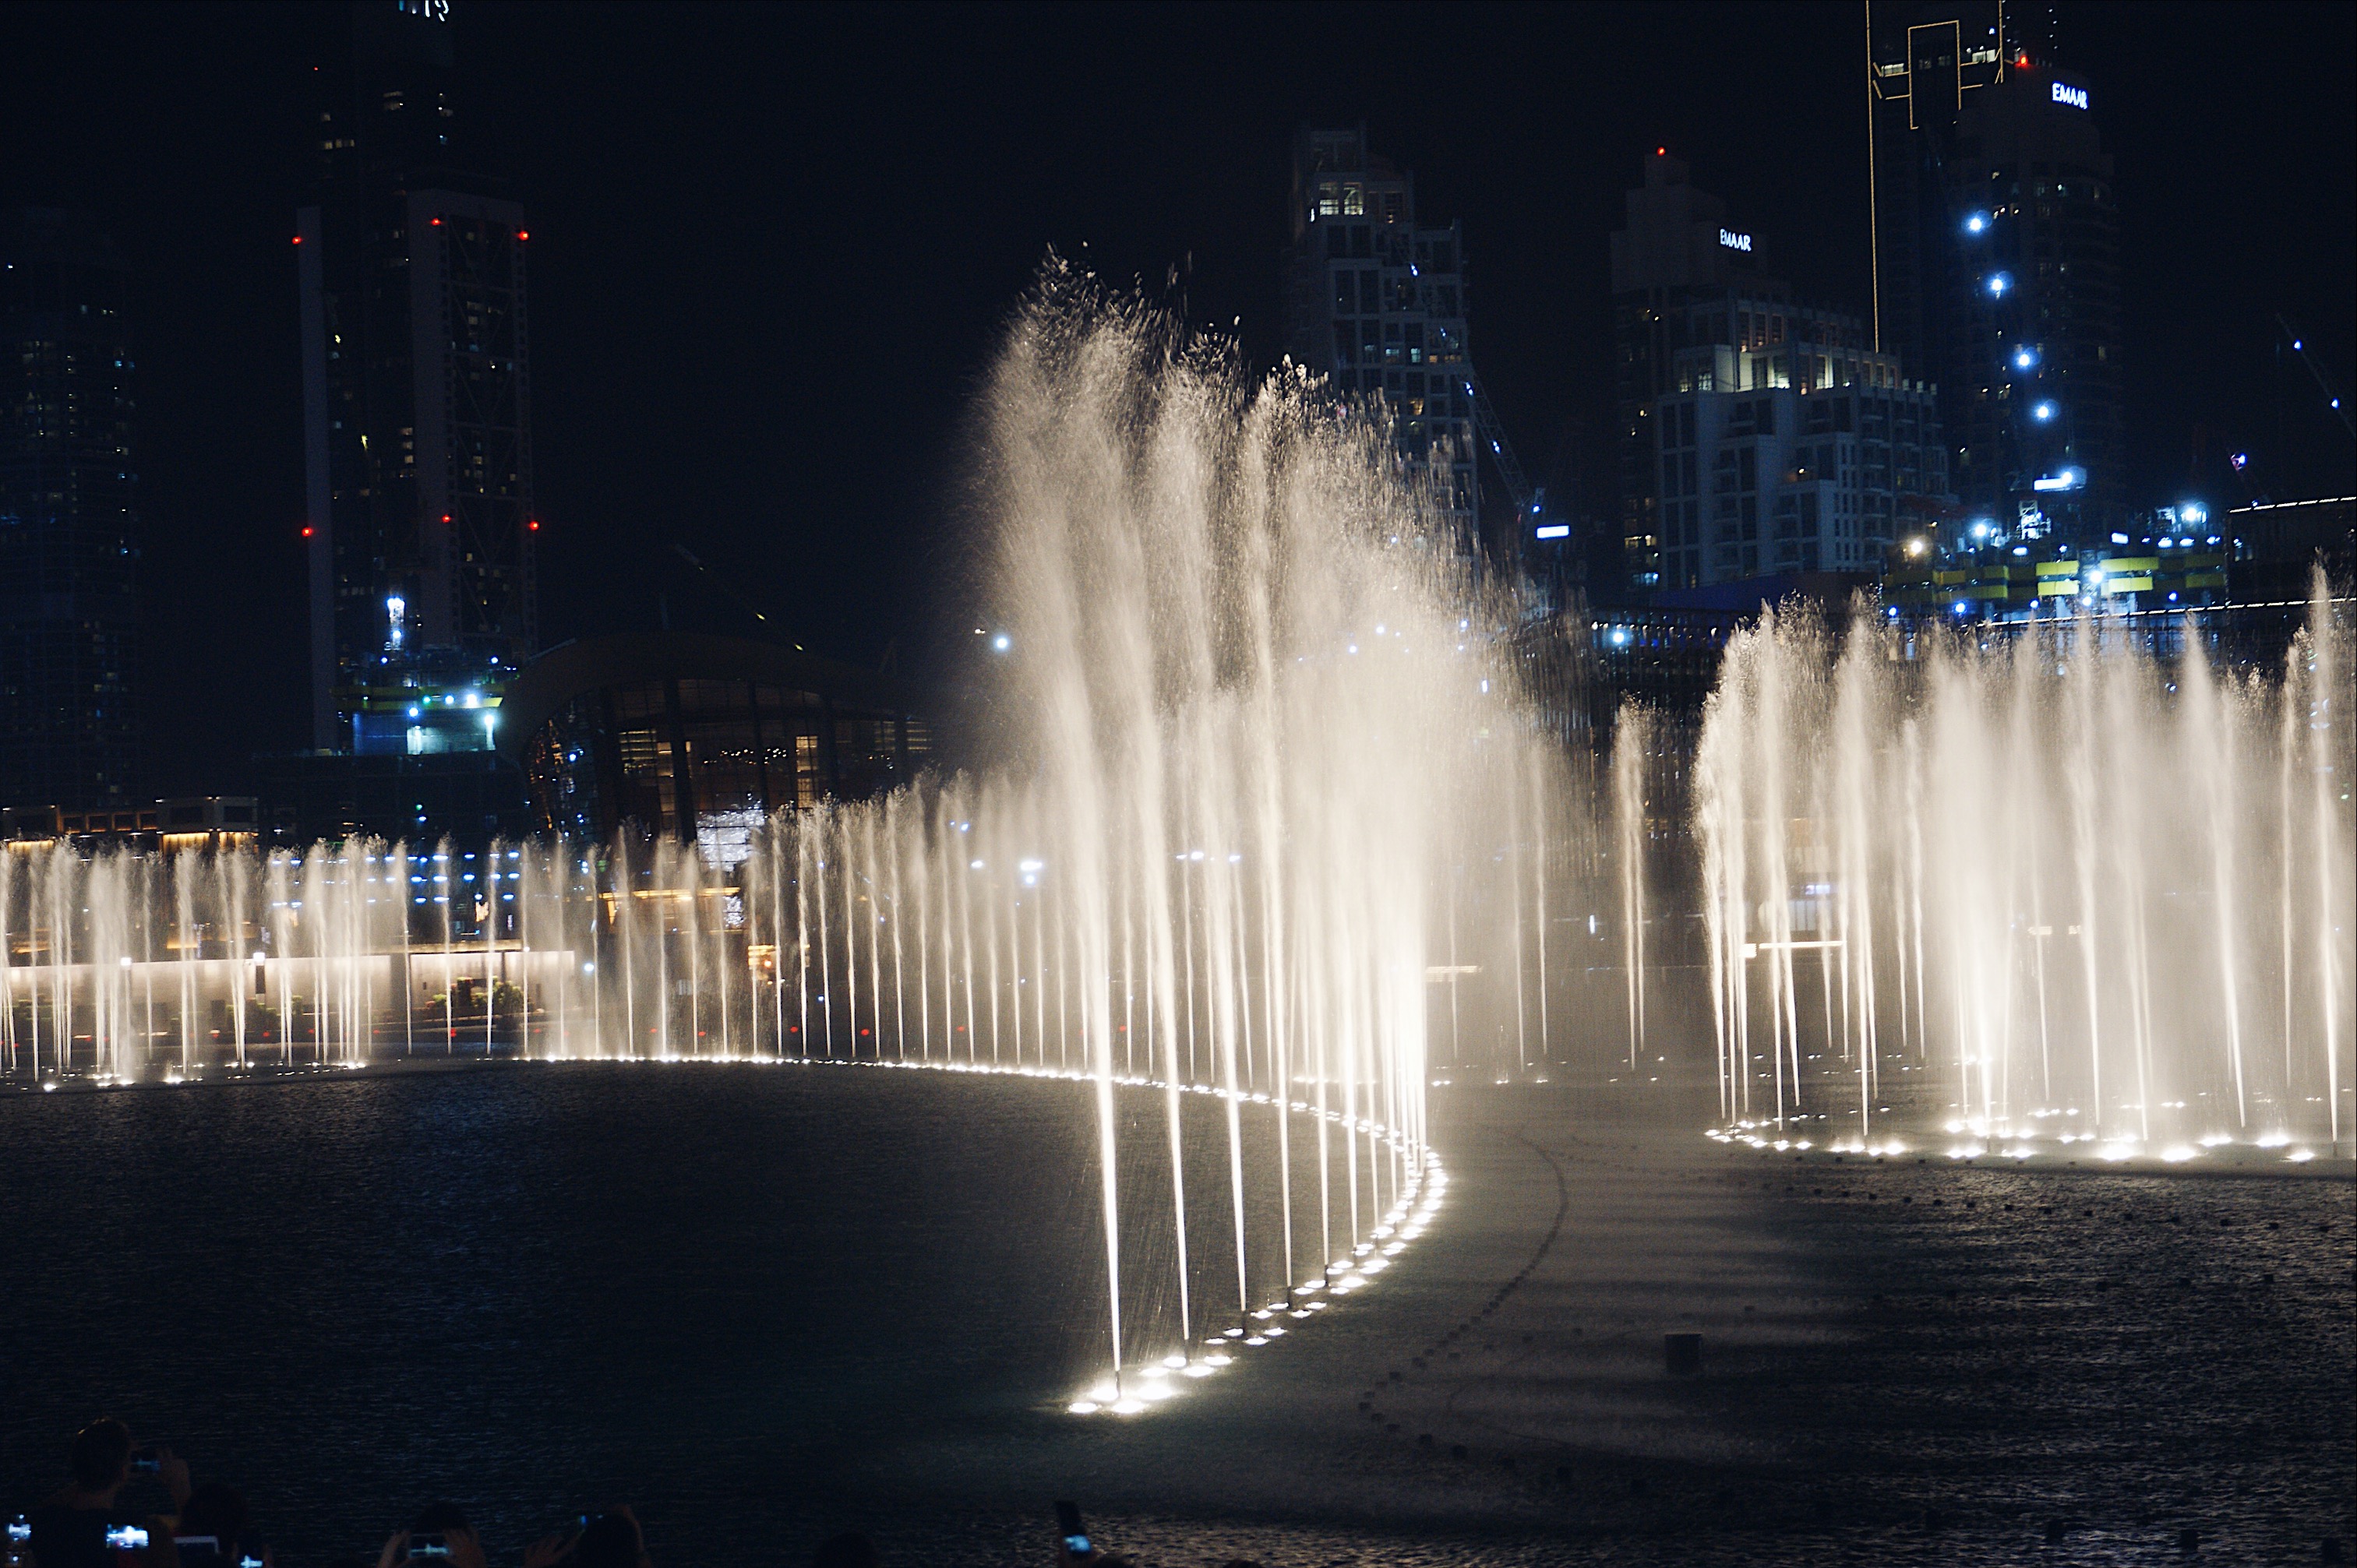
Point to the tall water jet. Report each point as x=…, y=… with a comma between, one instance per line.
x=1632, y=741
x=2053, y=865
x=1245, y=724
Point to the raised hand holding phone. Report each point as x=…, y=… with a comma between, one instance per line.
x=1074, y=1545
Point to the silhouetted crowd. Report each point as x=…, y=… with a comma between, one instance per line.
x=89, y=1524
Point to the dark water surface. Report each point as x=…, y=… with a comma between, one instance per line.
x=535, y=1289
x=762, y=1305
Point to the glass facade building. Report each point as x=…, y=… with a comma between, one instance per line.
x=416, y=388
x=1997, y=261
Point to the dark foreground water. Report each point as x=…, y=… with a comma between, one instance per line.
x=762, y=1305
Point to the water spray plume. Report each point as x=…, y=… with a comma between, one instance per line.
x=2042, y=837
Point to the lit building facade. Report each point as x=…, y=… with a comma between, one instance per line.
x=1758, y=435
x=417, y=398
x=693, y=736
x=69, y=518
x=1375, y=302
x=1782, y=480
x=1996, y=238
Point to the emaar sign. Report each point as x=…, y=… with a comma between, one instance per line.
x=2076, y=97
x=1733, y=240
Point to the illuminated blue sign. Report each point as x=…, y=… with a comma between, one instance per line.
x=1733, y=240
x=2076, y=97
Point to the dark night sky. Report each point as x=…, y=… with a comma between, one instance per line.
x=773, y=248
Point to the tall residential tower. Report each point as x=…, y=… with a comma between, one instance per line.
x=1375, y=302
x=416, y=403
x=68, y=521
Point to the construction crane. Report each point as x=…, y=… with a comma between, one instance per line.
x=1493, y=435
x=2299, y=351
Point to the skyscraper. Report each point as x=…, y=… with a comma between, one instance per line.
x=1758, y=435
x=69, y=520
x=417, y=402
x=1376, y=302
x=1998, y=261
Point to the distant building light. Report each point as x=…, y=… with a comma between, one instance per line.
x=2023, y=358
x=2076, y=97
x=1002, y=642
x=2240, y=461
x=1552, y=530
x=1998, y=283
x=2043, y=411
x=2068, y=479
x=2119, y=539
x=1976, y=222
x=2193, y=512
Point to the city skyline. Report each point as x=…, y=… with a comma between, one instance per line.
x=760, y=306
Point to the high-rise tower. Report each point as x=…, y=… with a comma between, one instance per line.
x=1758, y=436
x=1376, y=302
x=1998, y=260
x=69, y=525
x=416, y=399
